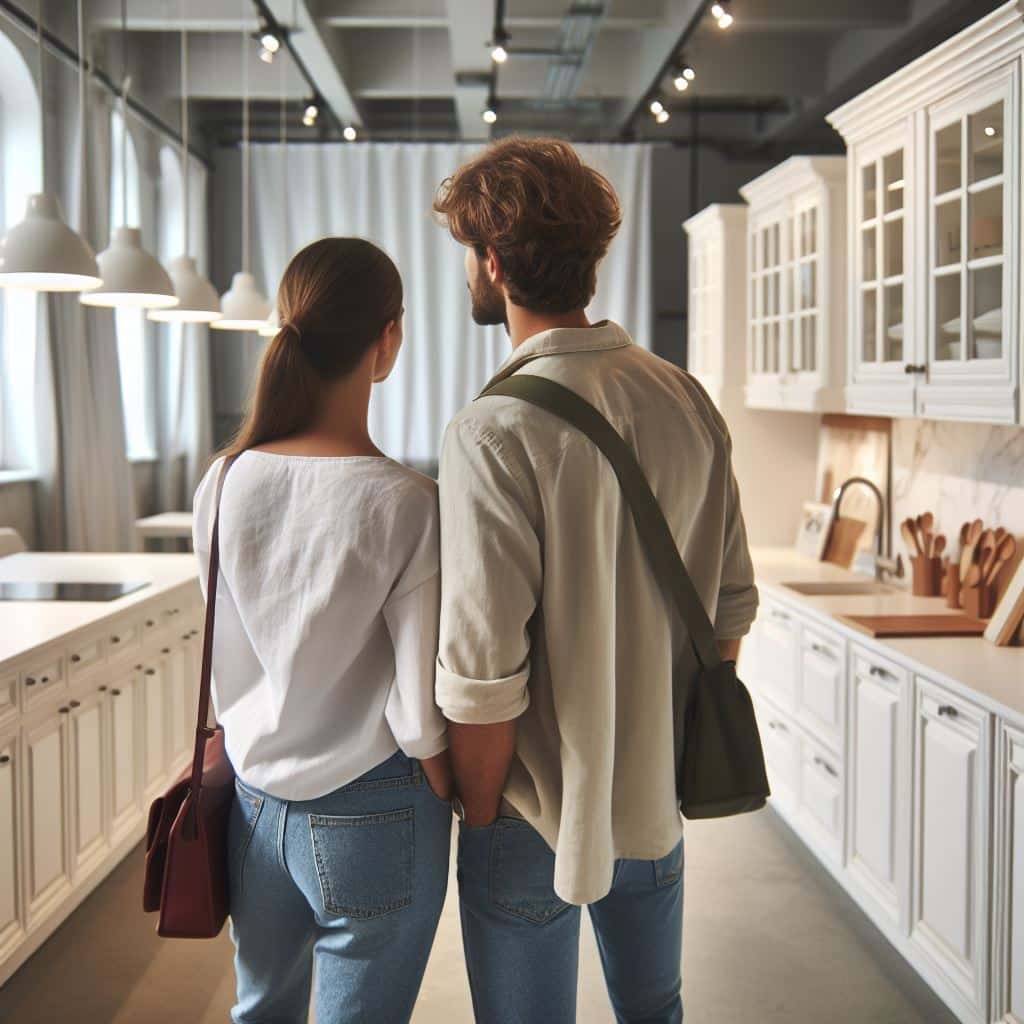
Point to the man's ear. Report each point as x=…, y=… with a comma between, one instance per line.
x=493, y=268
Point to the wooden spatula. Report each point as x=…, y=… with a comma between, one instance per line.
x=1005, y=550
x=967, y=554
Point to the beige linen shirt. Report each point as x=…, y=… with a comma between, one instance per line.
x=550, y=612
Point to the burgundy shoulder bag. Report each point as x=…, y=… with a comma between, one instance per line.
x=187, y=834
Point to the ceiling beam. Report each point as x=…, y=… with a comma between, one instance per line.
x=469, y=28
x=161, y=16
x=816, y=16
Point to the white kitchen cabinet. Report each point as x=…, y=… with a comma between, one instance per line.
x=821, y=685
x=45, y=800
x=772, y=491
x=822, y=798
x=878, y=854
x=934, y=293
x=155, y=729
x=950, y=867
x=781, y=743
x=180, y=713
x=9, y=709
x=124, y=695
x=1008, y=904
x=11, y=924
x=89, y=736
x=796, y=272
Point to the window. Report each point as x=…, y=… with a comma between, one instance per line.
x=20, y=175
x=135, y=354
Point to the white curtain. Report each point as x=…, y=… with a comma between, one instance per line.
x=86, y=496
x=384, y=192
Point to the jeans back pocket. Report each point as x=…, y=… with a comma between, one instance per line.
x=523, y=872
x=364, y=862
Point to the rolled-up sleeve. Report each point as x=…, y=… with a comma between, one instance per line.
x=491, y=578
x=737, y=595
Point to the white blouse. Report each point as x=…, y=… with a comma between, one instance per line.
x=325, y=635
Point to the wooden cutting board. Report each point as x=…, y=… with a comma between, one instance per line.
x=914, y=625
x=843, y=539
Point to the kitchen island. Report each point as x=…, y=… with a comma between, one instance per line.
x=97, y=716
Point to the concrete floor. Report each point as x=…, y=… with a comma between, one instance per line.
x=768, y=937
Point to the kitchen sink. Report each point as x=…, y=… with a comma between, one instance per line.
x=841, y=588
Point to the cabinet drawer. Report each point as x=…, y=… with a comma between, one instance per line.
x=43, y=679
x=124, y=636
x=782, y=755
x=821, y=796
x=821, y=693
x=84, y=655
x=777, y=654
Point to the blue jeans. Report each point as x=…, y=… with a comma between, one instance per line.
x=354, y=880
x=522, y=941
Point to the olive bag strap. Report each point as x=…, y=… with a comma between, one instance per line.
x=721, y=766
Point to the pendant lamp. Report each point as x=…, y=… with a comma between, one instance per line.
x=132, y=277
x=273, y=323
x=198, y=302
x=41, y=253
x=244, y=306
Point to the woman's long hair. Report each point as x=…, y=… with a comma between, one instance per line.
x=335, y=298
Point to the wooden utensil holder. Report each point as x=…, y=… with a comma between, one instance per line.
x=926, y=576
x=979, y=602
x=953, y=584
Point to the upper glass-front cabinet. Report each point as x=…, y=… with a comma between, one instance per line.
x=796, y=295
x=935, y=233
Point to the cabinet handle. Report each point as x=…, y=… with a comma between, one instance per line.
x=115, y=693
x=103, y=689
x=822, y=649
x=949, y=710
x=150, y=672
x=822, y=763
x=781, y=616
x=64, y=711
x=915, y=368
x=777, y=725
x=165, y=650
x=75, y=658
x=45, y=680
x=877, y=670
x=186, y=636
x=5, y=758
x=76, y=703
x=30, y=681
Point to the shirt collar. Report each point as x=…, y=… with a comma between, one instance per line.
x=563, y=341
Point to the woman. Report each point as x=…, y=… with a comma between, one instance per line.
x=323, y=664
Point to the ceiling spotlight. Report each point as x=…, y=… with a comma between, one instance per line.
x=688, y=73
x=270, y=41
x=310, y=114
x=721, y=13
x=267, y=56
x=349, y=133
x=661, y=117
x=657, y=107
x=990, y=131
x=499, y=52
x=681, y=82
x=489, y=114
x=717, y=10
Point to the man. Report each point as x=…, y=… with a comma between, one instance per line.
x=557, y=648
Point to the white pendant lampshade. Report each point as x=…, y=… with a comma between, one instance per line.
x=132, y=278
x=198, y=302
x=243, y=306
x=43, y=254
x=271, y=325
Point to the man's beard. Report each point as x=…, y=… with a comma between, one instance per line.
x=488, y=303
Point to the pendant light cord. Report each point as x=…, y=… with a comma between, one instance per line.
x=83, y=170
x=125, y=82
x=42, y=89
x=284, y=166
x=245, y=141
x=185, y=166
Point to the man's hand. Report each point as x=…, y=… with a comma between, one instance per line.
x=481, y=755
x=438, y=771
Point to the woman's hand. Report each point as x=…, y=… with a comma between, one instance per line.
x=440, y=779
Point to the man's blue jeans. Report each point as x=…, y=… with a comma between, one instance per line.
x=522, y=941
x=354, y=880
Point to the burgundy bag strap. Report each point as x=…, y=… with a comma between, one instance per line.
x=203, y=729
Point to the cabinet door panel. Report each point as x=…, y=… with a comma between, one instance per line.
x=48, y=874
x=10, y=920
x=875, y=779
x=154, y=702
x=1015, y=830
x=777, y=645
x=822, y=686
x=1008, y=895
x=124, y=788
x=88, y=747
x=179, y=693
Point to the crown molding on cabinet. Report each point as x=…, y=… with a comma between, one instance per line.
x=794, y=175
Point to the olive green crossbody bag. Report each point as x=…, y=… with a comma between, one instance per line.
x=721, y=767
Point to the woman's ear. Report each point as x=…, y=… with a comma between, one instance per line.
x=386, y=350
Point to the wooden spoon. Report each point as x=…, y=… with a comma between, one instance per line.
x=1006, y=549
x=938, y=545
x=967, y=554
x=924, y=523
x=909, y=536
x=986, y=552
x=973, y=577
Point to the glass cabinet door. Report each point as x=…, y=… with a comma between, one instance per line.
x=766, y=297
x=969, y=211
x=805, y=286
x=880, y=210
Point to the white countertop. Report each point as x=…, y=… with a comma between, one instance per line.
x=26, y=625
x=993, y=676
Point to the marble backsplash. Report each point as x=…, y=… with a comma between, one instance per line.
x=958, y=471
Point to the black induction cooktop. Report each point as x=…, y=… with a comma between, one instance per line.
x=34, y=591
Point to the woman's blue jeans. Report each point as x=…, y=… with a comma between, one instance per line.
x=354, y=881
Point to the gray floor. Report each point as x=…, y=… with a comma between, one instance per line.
x=769, y=938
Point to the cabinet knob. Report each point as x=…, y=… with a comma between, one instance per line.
x=103, y=689
x=64, y=711
x=75, y=658
x=165, y=650
x=115, y=693
x=30, y=681
x=115, y=639
x=948, y=710
x=186, y=636
x=915, y=368
x=5, y=758
x=150, y=672
x=45, y=679
x=138, y=668
x=149, y=622
x=76, y=703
